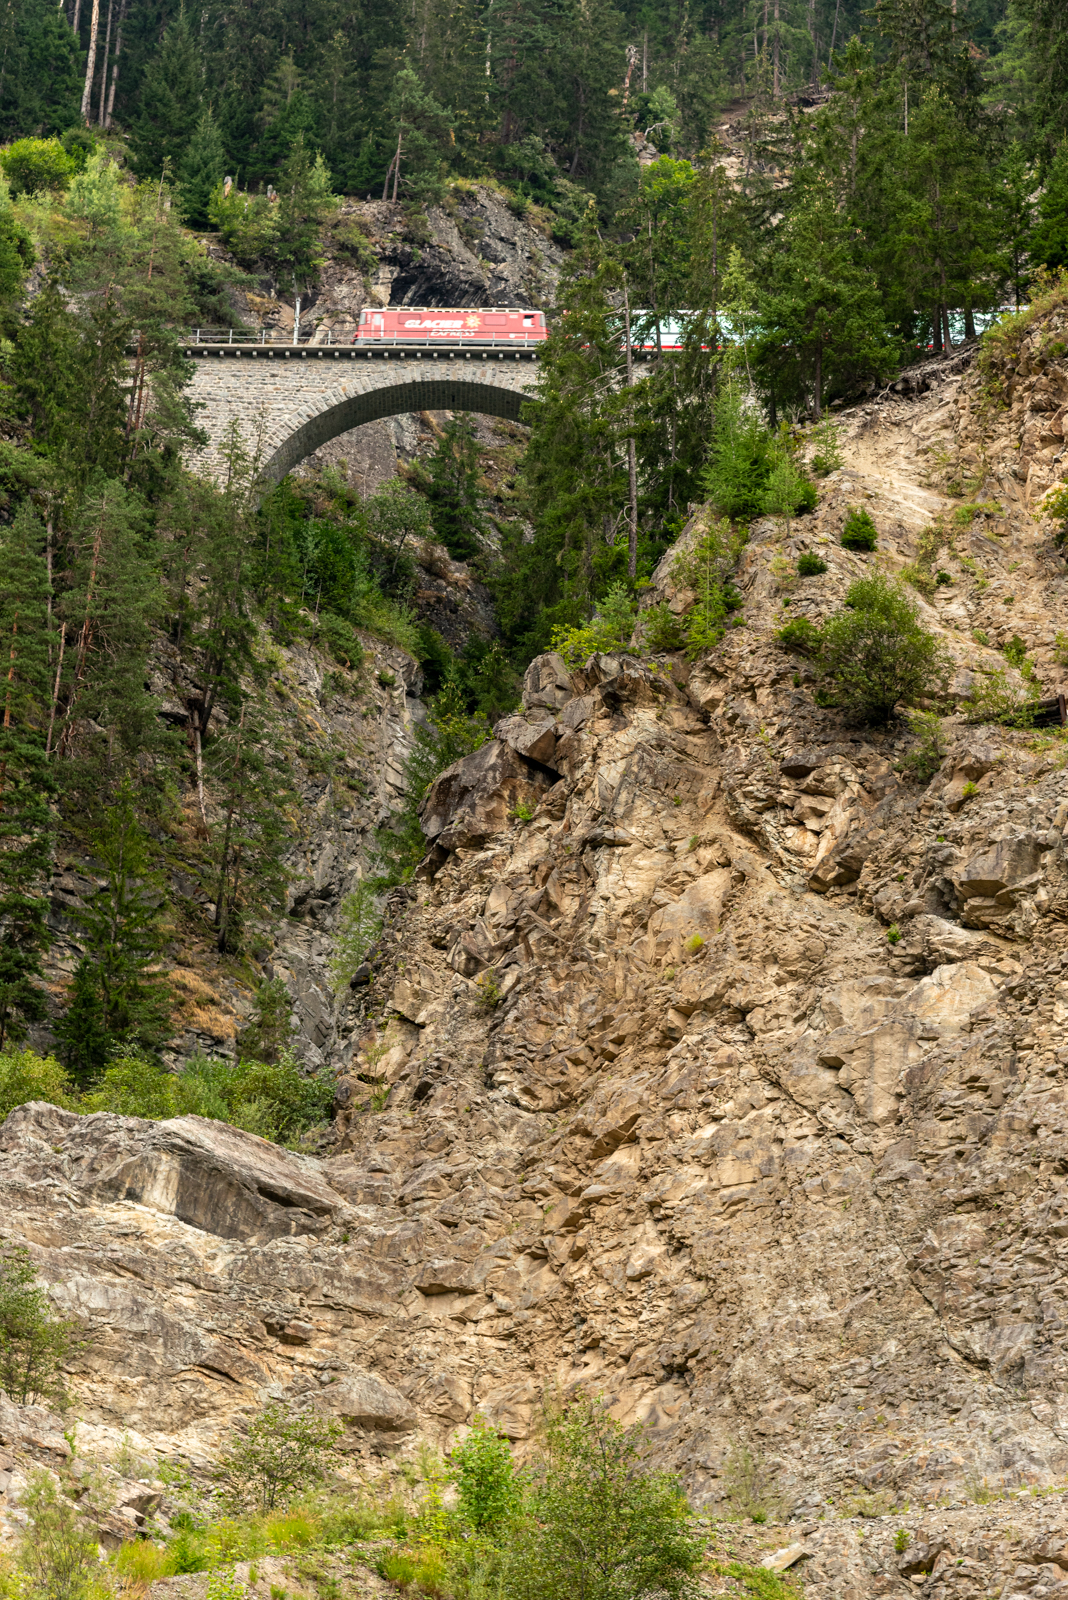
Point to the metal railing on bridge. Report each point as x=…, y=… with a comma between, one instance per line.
x=219, y=338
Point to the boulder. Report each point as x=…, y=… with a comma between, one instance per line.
x=477, y=795
x=547, y=683
x=207, y=1174
x=534, y=738
x=368, y=1401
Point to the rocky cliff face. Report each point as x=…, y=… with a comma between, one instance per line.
x=643, y=1097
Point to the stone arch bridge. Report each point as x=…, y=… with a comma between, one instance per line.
x=290, y=400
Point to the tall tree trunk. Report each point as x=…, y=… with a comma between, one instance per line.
x=75, y=24
x=818, y=381
x=55, y=691
x=90, y=65
x=115, y=65
x=7, y=700
x=104, y=68
x=775, y=55
x=834, y=34
x=632, y=466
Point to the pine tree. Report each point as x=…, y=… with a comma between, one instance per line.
x=306, y=202
x=1049, y=241
x=118, y=998
x=821, y=318
x=452, y=484
x=575, y=477
x=200, y=170
x=169, y=109
x=250, y=834
x=421, y=130
x=26, y=647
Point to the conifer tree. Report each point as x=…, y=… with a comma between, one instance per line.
x=574, y=471
x=26, y=649
x=118, y=997
x=169, y=109
x=451, y=483
x=1049, y=241
x=200, y=170
x=249, y=835
x=821, y=318
x=420, y=131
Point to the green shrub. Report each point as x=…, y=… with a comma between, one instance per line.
x=34, y=165
x=927, y=755
x=810, y=565
x=609, y=630
x=893, y=934
x=1015, y=652
x=1055, y=504
x=57, y=1550
x=942, y=578
x=662, y=629
x=282, y=1453
x=859, y=531
x=800, y=634
x=484, y=1474
x=25, y=1076
x=877, y=653
x=34, y=1343
x=358, y=925
x=788, y=490
x=448, y=734
x=598, y=1524
x=827, y=456
x=1002, y=699
x=706, y=570
x=274, y=1099
x=340, y=639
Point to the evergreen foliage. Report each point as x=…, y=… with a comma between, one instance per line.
x=34, y=1342
x=859, y=531
x=452, y=484
x=200, y=169
x=27, y=645
x=877, y=652
x=118, y=997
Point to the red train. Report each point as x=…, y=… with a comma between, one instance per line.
x=437, y=324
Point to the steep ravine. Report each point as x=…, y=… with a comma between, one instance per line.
x=787, y=1182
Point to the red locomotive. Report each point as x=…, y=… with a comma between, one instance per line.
x=495, y=325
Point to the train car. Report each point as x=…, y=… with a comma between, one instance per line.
x=492, y=325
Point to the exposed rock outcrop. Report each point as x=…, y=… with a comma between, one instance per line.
x=712, y=1061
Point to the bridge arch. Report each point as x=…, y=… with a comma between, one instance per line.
x=289, y=404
